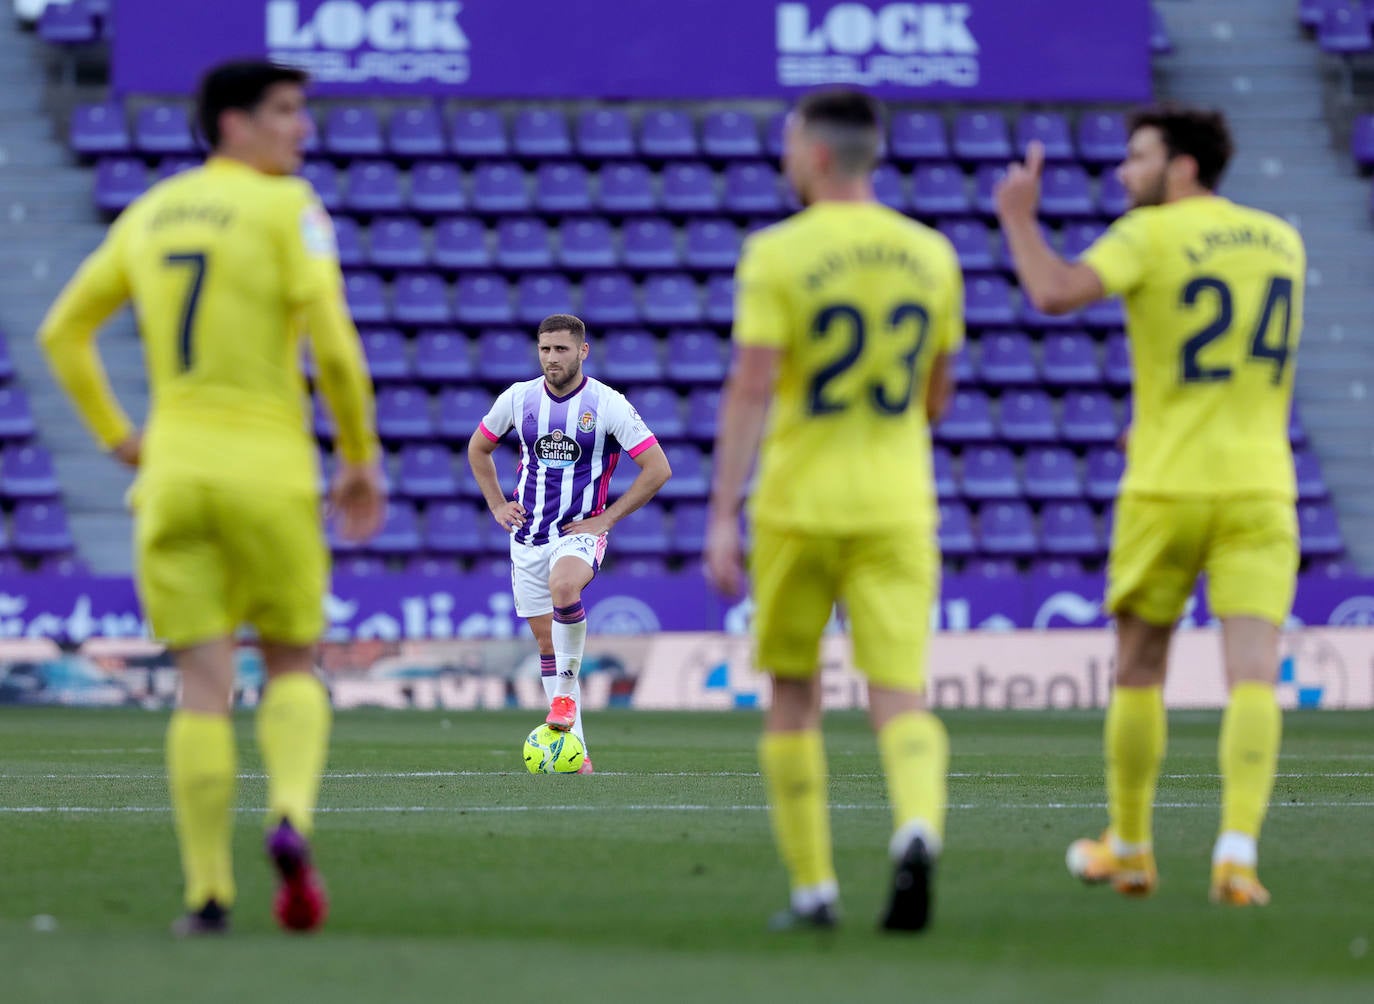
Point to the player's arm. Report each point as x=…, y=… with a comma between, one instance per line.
x=481, y=449
x=654, y=470
x=67, y=337
x=940, y=389
x=1053, y=285
x=948, y=333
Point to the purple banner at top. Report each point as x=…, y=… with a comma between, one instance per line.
x=479, y=605
x=978, y=50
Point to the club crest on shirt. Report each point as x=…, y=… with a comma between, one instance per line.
x=557, y=450
x=587, y=422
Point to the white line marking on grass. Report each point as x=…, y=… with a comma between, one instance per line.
x=363, y=775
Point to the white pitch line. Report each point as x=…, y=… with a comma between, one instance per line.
x=423, y=774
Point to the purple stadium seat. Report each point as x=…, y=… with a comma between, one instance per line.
x=1027, y=416
x=417, y=131
x=385, y=351
x=971, y=243
x=421, y=298
x=992, y=568
x=609, y=298
x=1051, y=472
x=374, y=186
x=68, y=24
x=1038, y=320
x=1102, y=138
x=1059, y=567
x=890, y=188
x=917, y=136
x=1361, y=141
x=604, y=133
x=61, y=565
x=965, y=368
x=689, y=188
x=562, y=187
x=433, y=567
x=1078, y=237
x=956, y=530
x=540, y=133
x=985, y=181
x=396, y=242
x=691, y=473
x=426, y=472
x=644, y=531
x=627, y=357
x=1008, y=529
x=460, y=242
x=627, y=188
x=1069, y=359
x=522, y=243
x=461, y=409
x=1111, y=196
x=689, y=526
x=942, y=467
x=348, y=238
x=404, y=413
x=667, y=134
x=703, y=412
x=483, y=299
x=1318, y=530
x=506, y=356
x=366, y=298
x=324, y=178
x=400, y=532
x=1311, y=487
x=1065, y=192
x=730, y=135
x=540, y=294
x=1117, y=368
x=437, y=188
x=1050, y=128
x=1310, y=12
x=27, y=473
x=1160, y=44
x=1296, y=434
x=322, y=423
x=1105, y=314
x=752, y=189
x=586, y=243
x=41, y=528
x=774, y=135
x=478, y=134
x=170, y=166
x=670, y=298
x=987, y=301
x=1103, y=474
x=1090, y=418
x=650, y=243
x=443, y=356
x=456, y=528
x=500, y=188
x=1070, y=529
x=989, y=472
x=98, y=129
x=968, y=420
x=720, y=299
x=353, y=131
x=981, y=136
x=118, y=181
x=6, y=363
x=697, y=356
x=661, y=410
x=711, y=245
x=1007, y=360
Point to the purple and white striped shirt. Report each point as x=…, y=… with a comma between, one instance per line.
x=569, y=447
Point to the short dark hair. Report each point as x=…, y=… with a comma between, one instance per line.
x=851, y=123
x=563, y=322
x=241, y=84
x=1200, y=133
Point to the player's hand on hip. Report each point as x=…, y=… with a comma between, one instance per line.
x=1018, y=194
x=358, y=498
x=725, y=555
x=130, y=451
x=510, y=516
x=595, y=525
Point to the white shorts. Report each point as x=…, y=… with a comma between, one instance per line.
x=531, y=565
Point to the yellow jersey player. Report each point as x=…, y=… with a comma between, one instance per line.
x=1213, y=294
x=226, y=266
x=846, y=320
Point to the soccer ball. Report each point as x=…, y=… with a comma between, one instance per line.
x=549, y=751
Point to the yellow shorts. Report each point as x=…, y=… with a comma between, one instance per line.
x=886, y=581
x=1246, y=545
x=212, y=558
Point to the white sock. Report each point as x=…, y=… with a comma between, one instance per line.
x=908, y=832
x=807, y=899
x=1238, y=848
x=1124, y=850
x=569, y=639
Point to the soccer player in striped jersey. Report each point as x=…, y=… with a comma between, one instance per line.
x=572, y=430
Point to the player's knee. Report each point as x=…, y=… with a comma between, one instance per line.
x=565, y=591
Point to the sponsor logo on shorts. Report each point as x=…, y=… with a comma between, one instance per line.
x=557, y=450
x=587, y=422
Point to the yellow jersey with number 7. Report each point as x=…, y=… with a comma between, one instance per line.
x=1213, y=294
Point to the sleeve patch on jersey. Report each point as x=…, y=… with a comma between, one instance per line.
x=317, y=232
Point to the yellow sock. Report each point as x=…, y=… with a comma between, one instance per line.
x=293, y=736
x=915, y=754
x=1249, y=753
x=1136, y=734
x=201, y=768
x=794, y=772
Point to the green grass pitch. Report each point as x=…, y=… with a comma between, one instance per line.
x=455, y=876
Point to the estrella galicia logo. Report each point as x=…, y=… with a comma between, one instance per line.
x=557, y=450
